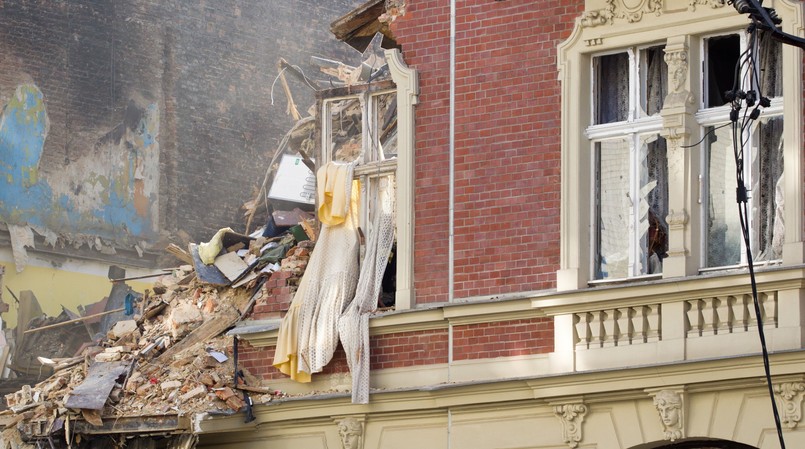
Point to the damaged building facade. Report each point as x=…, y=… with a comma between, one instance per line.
x=129, y=126
x=578, y=274
x=568, y=269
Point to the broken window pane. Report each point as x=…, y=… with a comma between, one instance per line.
x=385, y=122
x=613, y=208
x=631, y=236
x=722, y=222
x=611, y=88
x=720, y=68
x=768, y=197
x=653, y=79
x=653, y=209
x=346, y=129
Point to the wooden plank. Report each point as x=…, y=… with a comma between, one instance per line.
x=179, y=253
x=93, y=392
x=211, y=328
x=76, y=320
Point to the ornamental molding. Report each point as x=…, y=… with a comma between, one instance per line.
x=790, y=395
x=630, y=10
x=571, y=416
x=714, y=4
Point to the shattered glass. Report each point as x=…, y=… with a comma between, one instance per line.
x=346, y=129
x=385, y=122
x=619, y=216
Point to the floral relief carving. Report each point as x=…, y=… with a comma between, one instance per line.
x=571, y=417
x=630, y=10
x=790, y=394
x=711, y=3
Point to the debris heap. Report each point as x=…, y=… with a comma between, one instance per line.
x=169, y=359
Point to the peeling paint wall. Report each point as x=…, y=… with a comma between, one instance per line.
x=111, y=191
x=124, y=123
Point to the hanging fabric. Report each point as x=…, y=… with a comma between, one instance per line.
x=308, y=333
x=353, y=327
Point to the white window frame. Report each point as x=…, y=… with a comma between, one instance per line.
x=606, y=26
x=637, y=125
x=407, y=91
x=717, y=116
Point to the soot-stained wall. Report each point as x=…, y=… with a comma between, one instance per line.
x=130, y=121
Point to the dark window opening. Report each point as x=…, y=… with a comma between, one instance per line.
x=723, y=53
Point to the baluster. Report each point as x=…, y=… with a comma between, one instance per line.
x=653, y=315
x=741, y=313
x=597, y=329
x=609, y=319
x=625, y=329
x=722, y=314
x=768, y=303
x=582, y=324
x=694, y=317
x=708, y=316
x=639, y=324
x=733, y=317
x=751, y=322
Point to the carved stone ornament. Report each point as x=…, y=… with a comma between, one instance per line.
x=711, y=3
x=671, y=407
x=677, y=219
x=571, y=416
x=790, y=395
x=630, y=10
x=350, y=430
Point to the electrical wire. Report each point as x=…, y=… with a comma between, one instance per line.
x=740, y=141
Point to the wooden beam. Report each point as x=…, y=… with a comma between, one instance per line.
x=77, y=320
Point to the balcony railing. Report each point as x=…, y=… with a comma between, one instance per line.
x=694, y=318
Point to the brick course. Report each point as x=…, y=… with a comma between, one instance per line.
x=503, y=339
x=507, y=150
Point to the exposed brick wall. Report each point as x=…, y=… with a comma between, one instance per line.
x=414, y=348
x=276, y=296
x=259, y=361
x=502, y=339
x=208, y=66
x=507, y=143
x=424, y=34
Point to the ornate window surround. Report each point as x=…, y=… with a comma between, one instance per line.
x=608, y=25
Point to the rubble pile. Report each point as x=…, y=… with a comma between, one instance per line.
x=170, y=357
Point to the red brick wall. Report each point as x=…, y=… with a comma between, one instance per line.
x=507, y=143
x=424, y=32
x=408, y=349
x=276, y=296
x=259, y=362
x=503, y=339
